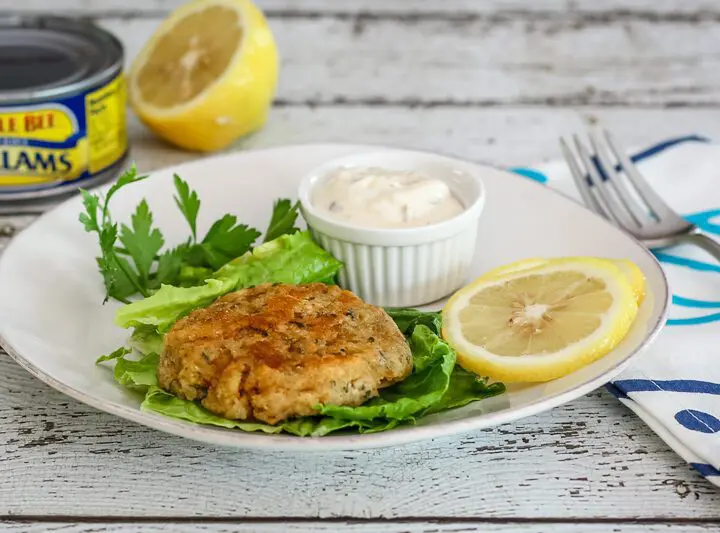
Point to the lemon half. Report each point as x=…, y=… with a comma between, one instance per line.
x=540, y=323
x=207, y=75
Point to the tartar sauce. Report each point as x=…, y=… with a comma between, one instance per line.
x=374, y=197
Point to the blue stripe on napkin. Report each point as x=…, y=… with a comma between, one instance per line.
x=686, y=262
x=668, y=385
x=690, y=419
x=657, y=148
x=530, y=173
x=648, y=152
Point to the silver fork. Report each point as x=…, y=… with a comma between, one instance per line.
x=607, y=187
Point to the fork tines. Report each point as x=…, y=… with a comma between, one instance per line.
x=611, y=185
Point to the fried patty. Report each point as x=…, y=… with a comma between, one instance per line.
x=273, y=352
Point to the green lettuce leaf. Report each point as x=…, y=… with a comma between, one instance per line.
x=283, y=219
x=120, y=352
x=162, y=402
x=433, y=362
x=146, y=340
x=159, y=401
x=435, y=384
x=290, y=259
x=464, y=388
x=407, y=319
x=137, y=374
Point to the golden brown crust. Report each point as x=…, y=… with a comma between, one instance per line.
x=273, y=352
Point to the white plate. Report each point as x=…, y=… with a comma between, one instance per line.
x=53, y=323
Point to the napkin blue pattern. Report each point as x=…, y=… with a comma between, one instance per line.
x=675, y=387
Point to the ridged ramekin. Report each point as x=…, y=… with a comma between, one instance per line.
x=401, y=267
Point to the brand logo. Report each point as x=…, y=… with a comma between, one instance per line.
x=40, y=144
x=36, y=161
x=45, y=144
x=51, y=122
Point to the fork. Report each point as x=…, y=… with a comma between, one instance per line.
x=617, y=191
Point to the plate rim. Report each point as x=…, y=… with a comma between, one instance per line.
x=399, y=436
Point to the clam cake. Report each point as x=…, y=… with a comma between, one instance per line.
x=273, y=352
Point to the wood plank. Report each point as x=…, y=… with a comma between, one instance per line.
x=499, y=136
x=587, y=459
x=519, y=7
x=498, y=58
x=505, y=137
x=476, y=62
x=347, y=527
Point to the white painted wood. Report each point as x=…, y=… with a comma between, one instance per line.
x=618, y=56
x=552, y=61
x=374, y=527
x=500, y=136
x=456, y=77
x=387, y=6
x=588, y=459
x=507, y=136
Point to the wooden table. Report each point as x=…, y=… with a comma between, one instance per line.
x=494, y=81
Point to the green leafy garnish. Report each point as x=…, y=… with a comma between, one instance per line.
x=132, y=260
x=144, y=341
x=283, y=219
x=126, y=178
x=131, y=372
x=89, y=219
x=188, y=202
x=121, y=281
x=117, y=354
x=169, y=265
x=158, y=401
x=225, y=240
x=292, y=259
x=436, y=382
x=407, y=319
x=137, y=374
x=142, y=243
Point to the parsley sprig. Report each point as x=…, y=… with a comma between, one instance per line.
x=132, y=260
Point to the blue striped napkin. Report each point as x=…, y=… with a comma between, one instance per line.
x=675, y=387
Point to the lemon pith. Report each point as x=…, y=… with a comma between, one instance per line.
x=207, y=76
x=542, y=322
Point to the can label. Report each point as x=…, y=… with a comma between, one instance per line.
x=64, y=140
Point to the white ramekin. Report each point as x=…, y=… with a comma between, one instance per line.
x=401, y=267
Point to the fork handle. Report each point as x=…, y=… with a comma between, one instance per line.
x=705, y=242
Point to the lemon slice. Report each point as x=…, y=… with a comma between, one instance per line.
x=207, y=76
x=634, y=275
x=523, y=264
x=632, y=272
x=540, y=323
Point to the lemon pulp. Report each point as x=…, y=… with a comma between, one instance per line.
x=631, y=271
x=207, y=76
x=186, y=61
x=540, y=323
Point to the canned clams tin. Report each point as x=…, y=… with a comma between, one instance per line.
x=62, y=108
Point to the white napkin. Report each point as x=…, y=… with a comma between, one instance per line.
x=675, y=387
